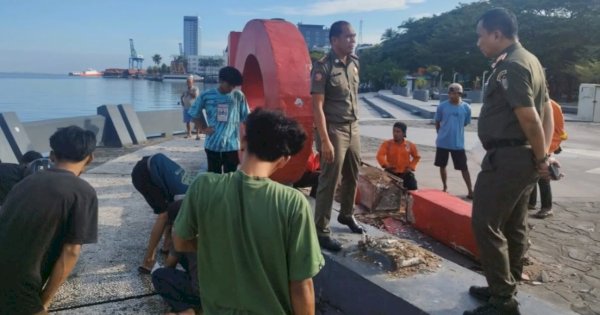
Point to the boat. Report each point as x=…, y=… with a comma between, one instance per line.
x=115, y=73
x=86, y=73
x=180, y=77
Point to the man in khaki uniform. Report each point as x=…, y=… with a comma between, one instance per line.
x=515, y=126
x=334, y=91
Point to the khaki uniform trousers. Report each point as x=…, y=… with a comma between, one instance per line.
x=499, y=217
x=345, y=139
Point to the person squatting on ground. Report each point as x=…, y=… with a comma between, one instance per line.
x=226, y=109
x=451, y=117
x=399, y=156
x=11, y=174
x=41, y=237
x=187, y=99
x=515, y=128
x=558, y=136
x=334, y=89
x=255, y=239
x=179, y=288
x=159, y=180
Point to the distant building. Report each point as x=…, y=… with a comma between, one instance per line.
x=316, y=36
x=190, y=35
x=206, y=66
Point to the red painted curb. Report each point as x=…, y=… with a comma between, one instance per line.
x=446, y=218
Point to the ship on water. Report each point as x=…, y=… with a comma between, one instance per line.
x=86, y=73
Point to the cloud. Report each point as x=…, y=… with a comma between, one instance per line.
x=331, y=7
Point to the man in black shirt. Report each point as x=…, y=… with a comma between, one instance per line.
x=41, y=237
x=11, y=174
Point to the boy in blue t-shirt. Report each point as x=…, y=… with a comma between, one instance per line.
x=226, y=109
x=451, y=118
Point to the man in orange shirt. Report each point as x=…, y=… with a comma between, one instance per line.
x=400, y=156
x=558, y=136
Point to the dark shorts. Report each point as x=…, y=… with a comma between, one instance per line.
x=222, y=162
x=459, y=158
x=186, y=116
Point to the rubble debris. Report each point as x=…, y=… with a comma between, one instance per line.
x=399, y=258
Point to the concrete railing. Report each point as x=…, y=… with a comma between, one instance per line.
x=114, y=126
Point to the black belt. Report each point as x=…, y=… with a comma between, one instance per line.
x=504, y=143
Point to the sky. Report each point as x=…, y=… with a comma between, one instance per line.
x=60, y=36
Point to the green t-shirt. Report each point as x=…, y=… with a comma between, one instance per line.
x=248, y=253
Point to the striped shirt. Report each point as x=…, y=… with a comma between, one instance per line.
x=224, y=113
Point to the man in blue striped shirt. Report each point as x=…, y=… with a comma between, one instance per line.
x=225, y=110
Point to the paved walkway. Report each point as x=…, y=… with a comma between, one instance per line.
x=566, y=246
x=105, y=280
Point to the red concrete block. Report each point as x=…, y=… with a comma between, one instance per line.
x=446, y=218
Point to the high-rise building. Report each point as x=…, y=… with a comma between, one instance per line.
x=316, y=36
x=190, y=35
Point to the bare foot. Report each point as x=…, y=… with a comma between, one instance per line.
x=146, y=267
x=445, y=188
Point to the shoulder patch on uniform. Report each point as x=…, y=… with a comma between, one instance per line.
x=501, y=78
x=318, y=76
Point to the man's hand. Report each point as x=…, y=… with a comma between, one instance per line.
x=543, y=170
x=208, y=131
x=327, y=151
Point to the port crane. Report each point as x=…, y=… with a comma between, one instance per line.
x=135, y=60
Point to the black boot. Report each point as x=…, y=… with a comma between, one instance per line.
x=352, y=224
x=506, y=307
x=329, y=243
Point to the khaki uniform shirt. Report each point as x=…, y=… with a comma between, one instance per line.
x=517, y=80
x=339, y=83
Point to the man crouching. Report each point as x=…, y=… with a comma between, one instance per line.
x=43, y=223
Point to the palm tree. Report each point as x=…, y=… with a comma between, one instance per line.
x=388, y=34
x=156, y=58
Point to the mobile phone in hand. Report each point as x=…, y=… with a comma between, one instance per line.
x=554, y=170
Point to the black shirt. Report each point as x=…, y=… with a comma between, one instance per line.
x=42, y=213
x=10, y=174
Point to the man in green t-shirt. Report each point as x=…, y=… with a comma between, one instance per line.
x=256, y=242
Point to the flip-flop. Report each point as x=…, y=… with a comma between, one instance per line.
x=144, y=270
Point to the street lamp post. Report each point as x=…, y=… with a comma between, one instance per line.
x=454, y=77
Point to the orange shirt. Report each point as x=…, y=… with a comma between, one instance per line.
x=400, y=156
x=559, y=134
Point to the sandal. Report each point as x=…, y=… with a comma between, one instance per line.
x=144, y=270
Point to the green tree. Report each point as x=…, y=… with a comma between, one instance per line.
x=316, y=55
x=434, y=71
x=388, y=34
x=164, y=69
x=156, y=58
x=588, y=71
x=559, y=33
